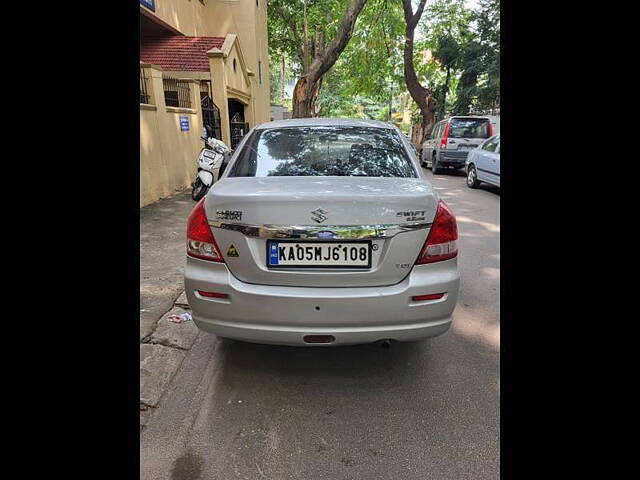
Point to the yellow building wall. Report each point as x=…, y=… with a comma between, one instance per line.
x=187, y=16
x=235, y=79
x=167, y=154
x=216, y=18
x=250, y=22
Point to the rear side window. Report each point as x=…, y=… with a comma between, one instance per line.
x=323, y=151
x=469, y=128
x=491, y=145
x=437, y=130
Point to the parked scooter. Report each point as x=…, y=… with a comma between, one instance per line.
x=210, y=160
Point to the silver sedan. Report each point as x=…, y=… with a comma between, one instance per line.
x=322, y=232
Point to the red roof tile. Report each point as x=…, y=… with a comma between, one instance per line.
x=179, y=53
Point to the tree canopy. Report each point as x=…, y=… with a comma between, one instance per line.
x=456, y=55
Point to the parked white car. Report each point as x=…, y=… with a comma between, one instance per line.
x=483, y=163
x=322, y=232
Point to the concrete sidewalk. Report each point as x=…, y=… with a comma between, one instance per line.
x=162, y=257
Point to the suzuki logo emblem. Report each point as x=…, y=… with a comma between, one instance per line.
x=319, y=215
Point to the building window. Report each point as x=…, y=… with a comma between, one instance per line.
x=234, y=65
x=177, y=93
x=260, y=71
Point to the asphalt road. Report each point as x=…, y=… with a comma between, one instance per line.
x=425, y=410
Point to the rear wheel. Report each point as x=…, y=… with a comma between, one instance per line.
x=472, y=177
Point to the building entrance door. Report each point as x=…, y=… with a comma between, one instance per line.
x=237, y=125
x=211, y=118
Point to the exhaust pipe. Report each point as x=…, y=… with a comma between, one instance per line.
x=386, y=344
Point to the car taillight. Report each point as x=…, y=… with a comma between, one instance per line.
x=445, y=137
x=441, y=241
x=200, y=241
x=490, y=130
x=431, y=296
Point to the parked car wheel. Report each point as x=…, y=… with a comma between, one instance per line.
x=472, y=177
x=199, y=190
x=434, y=165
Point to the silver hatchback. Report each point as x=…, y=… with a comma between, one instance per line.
x=322, y=232
x=452, y=139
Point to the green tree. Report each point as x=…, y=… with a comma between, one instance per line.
x=423, y=96
x=447, y=30
x=479, y=87
x=368, y=75
x=488, y=19
x=377, y=66
x=315, y=37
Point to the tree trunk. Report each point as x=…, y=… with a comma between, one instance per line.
x=308, y=85
x=304, y=98
x=422, y=96
x=446, y=91
x=282, y=78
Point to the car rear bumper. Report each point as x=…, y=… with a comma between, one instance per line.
x=453, y=158
x=283, y=315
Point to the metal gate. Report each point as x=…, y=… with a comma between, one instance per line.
x=238, y=130
x=211, y=118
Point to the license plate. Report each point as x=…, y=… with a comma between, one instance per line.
x=344, y=254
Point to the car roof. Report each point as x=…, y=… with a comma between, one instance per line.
x=325, y=122
x=465, y=116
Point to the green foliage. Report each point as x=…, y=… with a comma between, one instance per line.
x=367, y=80
x=480, y=63
x=472, y=67
x=285, y=24
x=489, y=31
x=373, y=59
x=368, y=74
x=446, y=31
x=275, y=77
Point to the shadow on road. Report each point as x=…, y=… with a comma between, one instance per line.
x=461, y=173
x=308, y=364
x=348, y=411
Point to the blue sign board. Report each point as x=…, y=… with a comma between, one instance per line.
x=150, y=4
x=184, y=123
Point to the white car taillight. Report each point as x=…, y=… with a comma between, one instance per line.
x=441, y=241
x=200, y=241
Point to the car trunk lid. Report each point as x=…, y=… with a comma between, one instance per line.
x=246, y=211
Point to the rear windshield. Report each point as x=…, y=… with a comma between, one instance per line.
x=469, y=128
x=323, y=151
